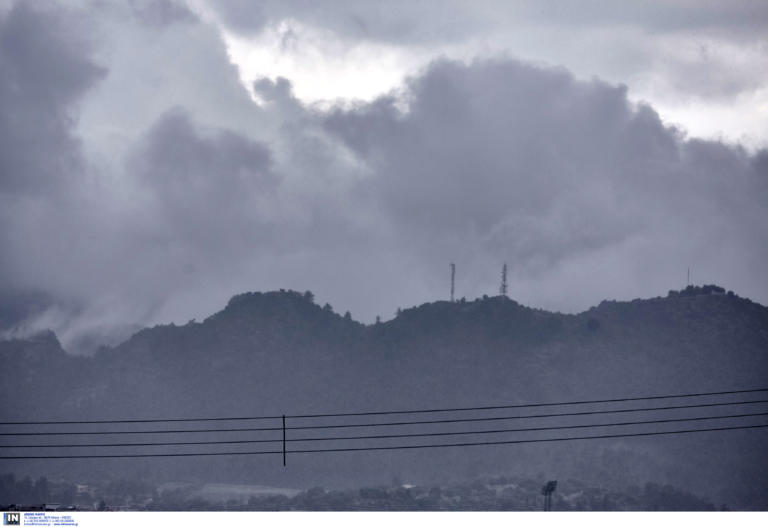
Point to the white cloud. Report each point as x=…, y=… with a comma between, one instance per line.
x=700, y=69
x=321, y=65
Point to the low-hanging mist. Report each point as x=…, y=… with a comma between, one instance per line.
x=123, y=206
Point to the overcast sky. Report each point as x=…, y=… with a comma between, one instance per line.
x=159, y=156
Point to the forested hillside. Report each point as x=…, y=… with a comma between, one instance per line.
x=268, y=354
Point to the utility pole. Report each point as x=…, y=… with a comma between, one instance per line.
x=453, y=279
x=547, y=491
x=503, y=288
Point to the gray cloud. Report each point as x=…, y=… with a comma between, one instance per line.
x=161, y=13
x=398, y=20
x=682, y=48
x=206, y=188
x=271, y=91
x=710, y=70
x=531, y=166
x=498, y=136
x=45, y=71
x=426, y=21
x=42, y=72
x=199, y=193
x=656, y=15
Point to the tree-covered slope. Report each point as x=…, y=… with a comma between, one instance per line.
x=280, y=353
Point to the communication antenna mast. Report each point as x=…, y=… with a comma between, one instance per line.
x=503, y=288
x=688, y=281
x=453, y=279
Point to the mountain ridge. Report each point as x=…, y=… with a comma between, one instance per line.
x=280, y=353
x=304, y=304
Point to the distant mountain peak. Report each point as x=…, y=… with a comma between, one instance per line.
x=40, y=345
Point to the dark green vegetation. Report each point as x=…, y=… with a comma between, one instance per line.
x=487, y=494
x=484, y=494
x=276, y=353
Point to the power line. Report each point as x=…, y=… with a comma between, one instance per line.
x=520, y=441
x=393, y=412
x=531, y=405
x=396, y=423
x=506, y=418
x=123, y=432
x=404, y=447
x=391, y=436
x=126, y=421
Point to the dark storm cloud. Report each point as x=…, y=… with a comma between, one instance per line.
x=496, y=138
x=270, y=91
x=190, y=214
x=208, y=188
x=43, y=71
x=760, y=166
x=181, y=164
x=17, y=306
x=206, y=194
x=107, y=245
x=532, y=166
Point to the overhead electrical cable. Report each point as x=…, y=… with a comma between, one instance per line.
x=378, y=448
x=392, y=412
x=396, y=423
x=531, y=405
x=393, y=436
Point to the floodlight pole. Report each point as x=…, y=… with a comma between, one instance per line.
x=547, y=491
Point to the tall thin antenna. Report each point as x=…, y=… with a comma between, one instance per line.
x=503, y=288
x=688, y=280
x=453, y=279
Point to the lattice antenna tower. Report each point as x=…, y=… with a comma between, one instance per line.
x=453, y=279
x=503, y=288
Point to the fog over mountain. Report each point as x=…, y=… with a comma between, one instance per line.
x=142, y=184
